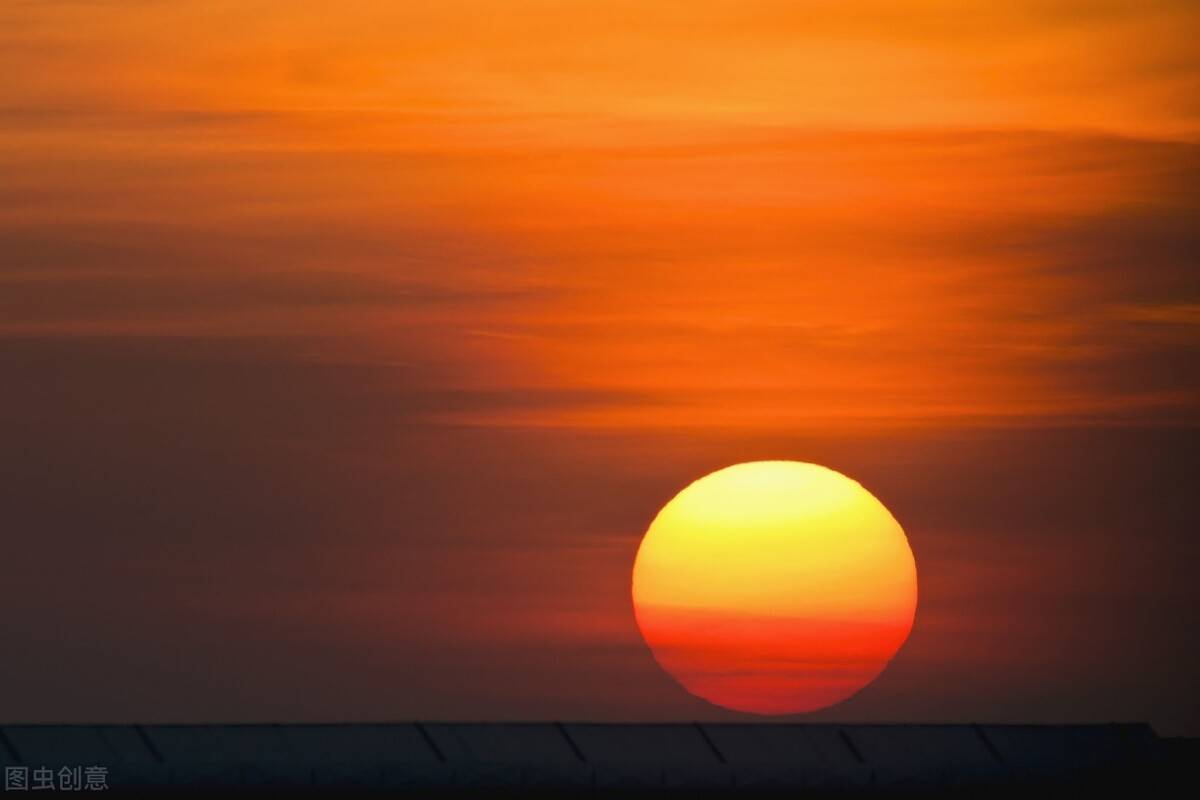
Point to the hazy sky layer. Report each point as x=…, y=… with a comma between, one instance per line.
x=348, y=351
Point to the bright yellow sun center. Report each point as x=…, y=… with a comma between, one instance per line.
x=774, y=587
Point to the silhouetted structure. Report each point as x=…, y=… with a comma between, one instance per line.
x=573, y=759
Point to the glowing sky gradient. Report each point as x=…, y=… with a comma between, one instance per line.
x=367, y=340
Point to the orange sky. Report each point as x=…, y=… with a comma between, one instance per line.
x=750, y=214
x=1110, y=65
x=283, y=283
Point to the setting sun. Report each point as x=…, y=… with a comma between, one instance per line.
x=774, y=587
